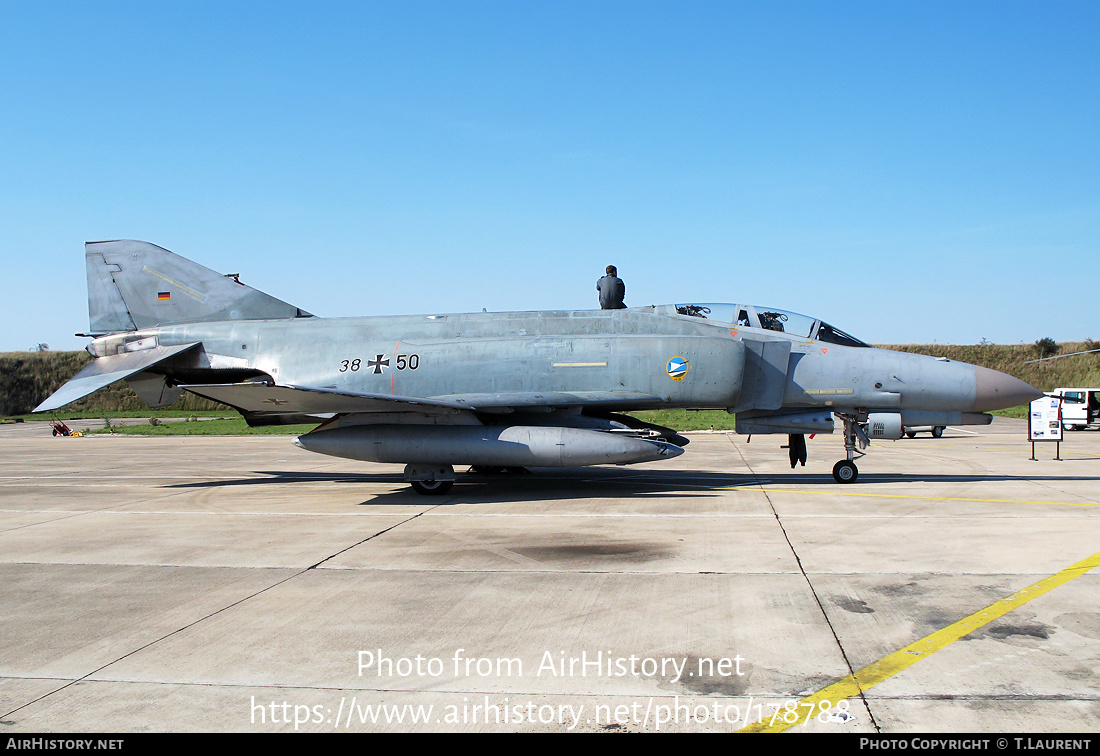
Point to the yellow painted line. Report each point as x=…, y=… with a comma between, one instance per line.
x=888, y=666
x=926, y=498
x=177, y=284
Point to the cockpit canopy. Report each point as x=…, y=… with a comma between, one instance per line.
x=771, y=319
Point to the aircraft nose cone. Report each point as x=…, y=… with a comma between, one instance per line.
x=994, y=390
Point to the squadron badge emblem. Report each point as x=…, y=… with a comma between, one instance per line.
x=677, y=368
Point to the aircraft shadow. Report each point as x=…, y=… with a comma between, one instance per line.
x=578, y=483
x=586, y=483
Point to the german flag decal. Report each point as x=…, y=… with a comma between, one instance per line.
x=164, y=295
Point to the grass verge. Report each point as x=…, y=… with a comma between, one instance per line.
x=681, y=420
x=217, y=427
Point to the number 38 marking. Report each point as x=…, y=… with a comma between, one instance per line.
x=403, y=362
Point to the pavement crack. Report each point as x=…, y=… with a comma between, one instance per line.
x=375, y=535
x=215, y=613
x=155, y=641
x=809, y=584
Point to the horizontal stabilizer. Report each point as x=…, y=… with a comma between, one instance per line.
x=103, y=371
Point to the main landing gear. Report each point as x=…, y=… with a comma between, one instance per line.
x=845, y=471
x=431, y=487
x=430, y=480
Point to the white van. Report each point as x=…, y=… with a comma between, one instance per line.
x=1083, y=410
x=912, y=430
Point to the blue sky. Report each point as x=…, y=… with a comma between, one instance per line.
x=908, y=171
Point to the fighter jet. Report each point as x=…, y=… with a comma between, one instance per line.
x=505, y=390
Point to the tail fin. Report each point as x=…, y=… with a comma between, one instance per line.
x=134, y=285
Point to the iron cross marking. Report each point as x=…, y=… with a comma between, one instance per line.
x=378, y=363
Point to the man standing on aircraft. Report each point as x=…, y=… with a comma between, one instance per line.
x=612, y=290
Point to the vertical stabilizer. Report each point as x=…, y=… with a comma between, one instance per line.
x=134, y=285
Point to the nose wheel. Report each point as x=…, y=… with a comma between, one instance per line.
x=845, y=471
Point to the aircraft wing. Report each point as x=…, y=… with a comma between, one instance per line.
x=547, y=400
x=258, y=399
x=262, y=399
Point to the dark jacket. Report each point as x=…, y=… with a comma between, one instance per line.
x=612, y=290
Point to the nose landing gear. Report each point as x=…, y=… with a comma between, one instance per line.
x=845, y=471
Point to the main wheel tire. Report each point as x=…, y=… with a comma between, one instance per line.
x=910, y=434
x=937, y=431
x=432, y=487
x=845, y=471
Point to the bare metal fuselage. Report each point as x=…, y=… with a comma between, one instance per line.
x=611, y=353
x=503, y=389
